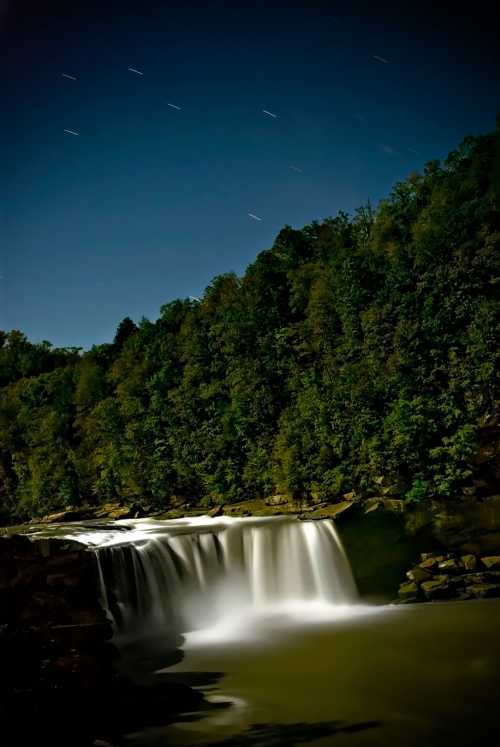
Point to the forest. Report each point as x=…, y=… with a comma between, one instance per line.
x=358, y=352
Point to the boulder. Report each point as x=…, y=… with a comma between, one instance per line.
x=419, y=574
x=438, y=587
x=277, y=500
x=492, y=562
x=382, y=501
x=452, y=565
x=437, y=556
x=408, y=591
x=394, y=504
x=477, y=578
x=372, y=504
x=484, y=591
x=469, y=562
x=430, y=564
x=114, y=511
x=350, y=496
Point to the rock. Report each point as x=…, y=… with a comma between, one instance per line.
x=54, y=642
x=277, y=500
x=457, y=581
x=394, y=504
x=340, y=508
x=372, y=504
x=122, y=512
x=392, y=489
x=437, y=588
x=437, y=556
x=332, y=511
x=491, y=562
x=408, y=590
x=350, y=496
x=484, y=591
x=430, y=564
x=452, y=565
x=381, y=501
x=177, y=501
x=419, y=574
x=69, y=514
x=478, y=578
x=469, y=562
x=216, y=511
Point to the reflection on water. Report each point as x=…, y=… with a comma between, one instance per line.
x=414, y=675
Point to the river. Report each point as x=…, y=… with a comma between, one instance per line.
x=263, y=617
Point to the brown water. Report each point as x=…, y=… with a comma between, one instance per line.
x=412, y=675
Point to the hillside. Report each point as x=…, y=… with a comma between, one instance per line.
x=360, y=354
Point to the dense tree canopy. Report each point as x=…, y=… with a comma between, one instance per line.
x=355, y=353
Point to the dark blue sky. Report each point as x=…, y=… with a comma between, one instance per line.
x=149, y=203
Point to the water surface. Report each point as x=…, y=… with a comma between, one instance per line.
x=424, y=674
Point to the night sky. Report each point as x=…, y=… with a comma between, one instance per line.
x=148, y=203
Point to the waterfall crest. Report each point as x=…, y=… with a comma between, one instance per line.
x=188, y=574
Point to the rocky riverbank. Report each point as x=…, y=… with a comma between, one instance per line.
x=452, y=576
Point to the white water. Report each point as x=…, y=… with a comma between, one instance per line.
x=213, y=578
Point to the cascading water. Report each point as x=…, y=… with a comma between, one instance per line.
x=190, y=574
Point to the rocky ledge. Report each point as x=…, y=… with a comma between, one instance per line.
x=54, y=643
x=60, y=677
x=441, y=576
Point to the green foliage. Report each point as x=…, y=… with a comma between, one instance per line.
x=355, y=354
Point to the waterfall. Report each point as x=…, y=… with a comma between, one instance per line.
x=188, y=574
